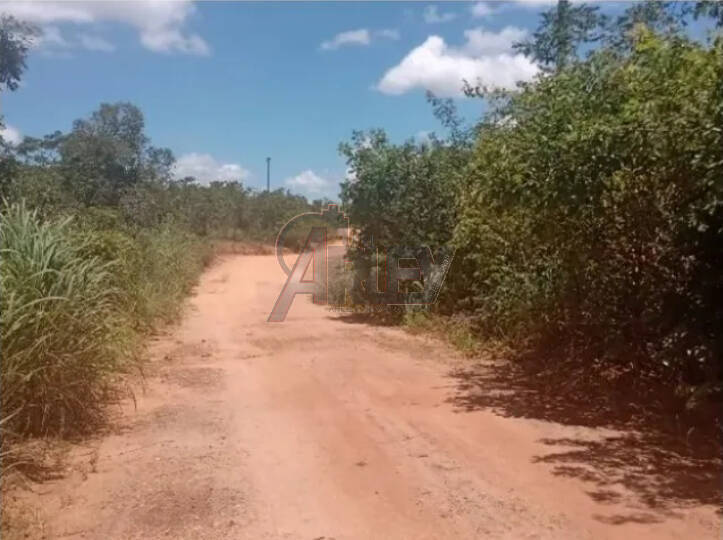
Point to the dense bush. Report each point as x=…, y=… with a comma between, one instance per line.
x=153, y=267
x=587, y=216
x=400, y=194
x=170, y=262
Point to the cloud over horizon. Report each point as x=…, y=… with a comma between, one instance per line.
x=485, y=57
x=11, y=135
x=206, y=169
x=309, y=183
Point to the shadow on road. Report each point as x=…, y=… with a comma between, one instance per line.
x=378, y=319
x=664, y=468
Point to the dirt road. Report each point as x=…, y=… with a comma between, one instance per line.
x=325, y=428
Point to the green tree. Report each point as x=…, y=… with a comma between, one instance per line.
x=105, y=155
x=589, y=219
x=15, y=40
x=405, y=194
x=710, y=8
x=560, y=34
x=663, y=18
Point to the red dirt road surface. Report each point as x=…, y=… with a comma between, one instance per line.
x=322, y=427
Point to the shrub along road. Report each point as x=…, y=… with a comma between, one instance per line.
x=325, y=427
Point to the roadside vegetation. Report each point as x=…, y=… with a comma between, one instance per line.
x=99, y=245
x=586, y=208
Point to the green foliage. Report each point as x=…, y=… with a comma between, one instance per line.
x=76, y=296
x=589, y=218
x=268, y=212
x=108, y=154
x=562, y=30
x=588, y=214
x=457, y=331
x=107, y=161
x=40, y=188
x=170, y=262
x=663, y=18
x=62, y=332
x=400, y=194
x=15, y=40
x=710, y=8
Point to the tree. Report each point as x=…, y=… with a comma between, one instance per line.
x=16, y=38
x=560, y=34
x=709, y=8
x=663, y=18
x=590, y=221
x=108, y=153
x=401, y=195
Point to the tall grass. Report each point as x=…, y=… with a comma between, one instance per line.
x=76, y=298
x=153, y=268
x=170, y=263
x=62, y=329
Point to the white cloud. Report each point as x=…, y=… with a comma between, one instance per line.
x=171, y=39
x=481, y=42
x=47, y=12
x=160, y=24
x=485, y=58
x=480, y=9
x=389, y=33
x=96, y=43
x=351, y=37
x=538, y=3
x=309, y=183
x=433, y=16
x=11, y=135
x=360, y=37
x=423, y=137
x=51, y=37
x=206, y=169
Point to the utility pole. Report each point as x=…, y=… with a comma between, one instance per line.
x=268, y=174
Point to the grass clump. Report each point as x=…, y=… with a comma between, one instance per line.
x=76, y=299
x=456, y=331
x=171, y=261
x=62, y=326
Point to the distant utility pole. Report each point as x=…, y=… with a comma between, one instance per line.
x=268, y=174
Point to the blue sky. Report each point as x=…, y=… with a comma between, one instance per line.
x=224, y=85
